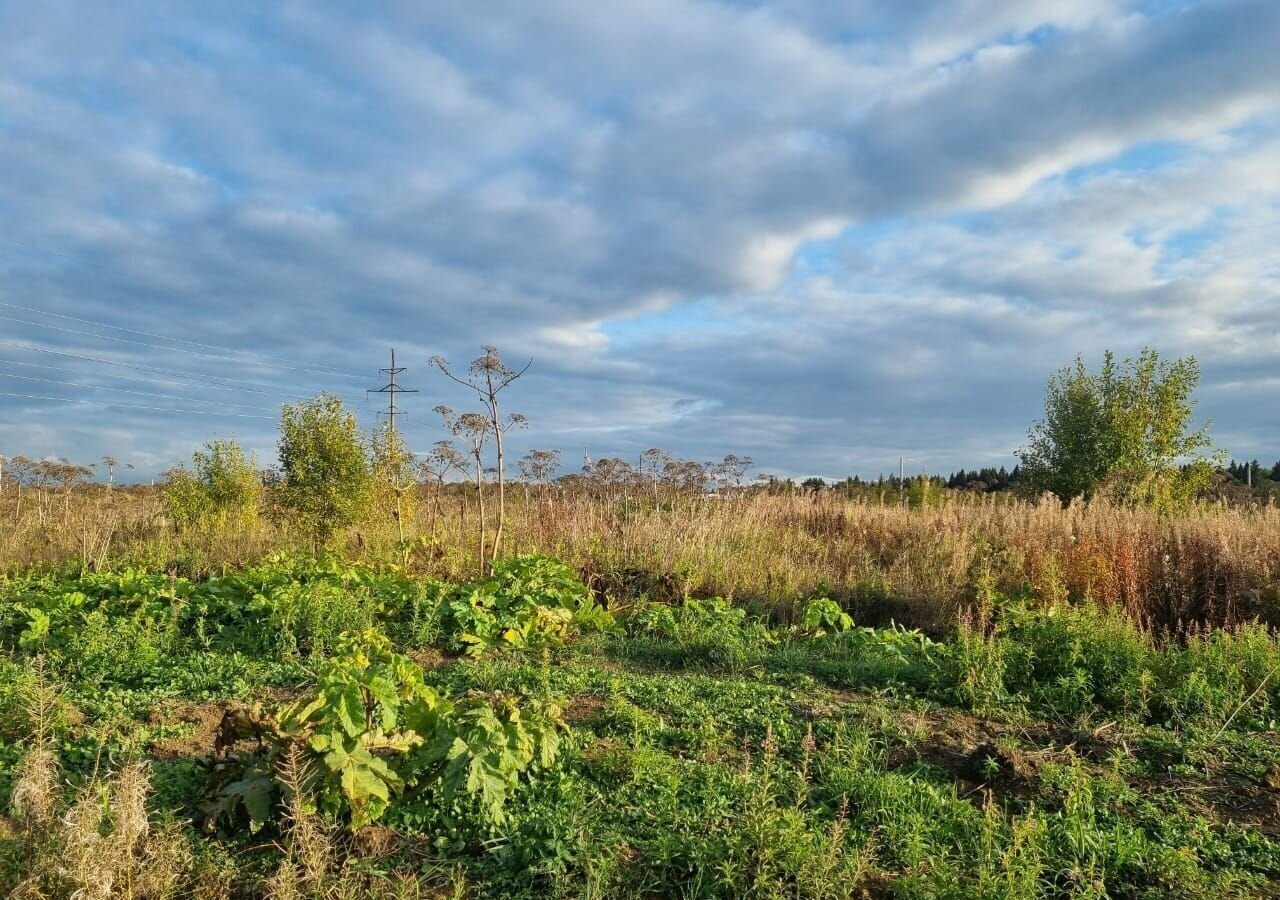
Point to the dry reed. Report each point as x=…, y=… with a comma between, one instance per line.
x=1214, y=565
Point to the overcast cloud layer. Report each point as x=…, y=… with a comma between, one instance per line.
x=824, y=235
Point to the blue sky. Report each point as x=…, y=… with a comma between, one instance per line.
x=822, y=235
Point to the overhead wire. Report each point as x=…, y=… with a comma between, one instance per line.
x=208, y=382
x=118, y=340
x=113, y=405
x=329, y=370
x=255, y=387
x=171, y=381
x=101, y=387
x=205, y=381
x=280, y=362
x=17, y=243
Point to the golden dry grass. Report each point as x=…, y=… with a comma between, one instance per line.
x=1215, y=564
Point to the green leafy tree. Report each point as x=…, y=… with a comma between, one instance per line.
x=325, y=473
x=222, y=488
x=1069, y=452
x=1123, y=432
x=923, y=492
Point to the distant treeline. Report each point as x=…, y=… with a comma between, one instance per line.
x=1237, y=480
x=988, y=480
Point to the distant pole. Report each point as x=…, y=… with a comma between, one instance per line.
x=391, y=389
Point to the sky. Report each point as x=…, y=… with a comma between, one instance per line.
x=823, y=235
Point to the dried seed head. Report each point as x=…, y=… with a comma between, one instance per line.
x=769, y=745
x=35, y=789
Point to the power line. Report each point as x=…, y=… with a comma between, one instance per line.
x=275, y=361
x=100, y=387
x=200, y=412
x=74, y=371
x=18, y=243
x=173, y=340
x=205, y=381
x=256, y=387
x=214, y=382
x=107, y=337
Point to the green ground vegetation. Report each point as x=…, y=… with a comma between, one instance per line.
x=309, y=727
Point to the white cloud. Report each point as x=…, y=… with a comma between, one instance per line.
x=317, y=184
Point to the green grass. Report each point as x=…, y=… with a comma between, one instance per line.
x=1031, y=753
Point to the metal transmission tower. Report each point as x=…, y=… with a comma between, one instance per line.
x=391, y=389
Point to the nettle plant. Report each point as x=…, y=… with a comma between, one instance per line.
x=713, y=620
x=376, y=732
x=529, y=602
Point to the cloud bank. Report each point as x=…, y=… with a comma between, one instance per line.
x=822, y=235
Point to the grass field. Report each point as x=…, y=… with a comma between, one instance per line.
x=971, y=700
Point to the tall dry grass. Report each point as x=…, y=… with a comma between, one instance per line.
x=95, y=528
x=103, y=845
x=1214, y=565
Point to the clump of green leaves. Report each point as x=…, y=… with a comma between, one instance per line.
x=371, y=704
x=528, y=602
x=1080, y=661
x=711, y=630
x=486, y=745
x=824, y=616
x=99, y=627
x=377, y=732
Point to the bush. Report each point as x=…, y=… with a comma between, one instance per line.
x=1221, y=677
x=1076, y=659
x=712, y=631
x=528, y=602
x=221, y=490
x=376, y=731
x=1071, y=662
x=326, y=475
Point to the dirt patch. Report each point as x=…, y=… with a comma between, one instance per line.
x=583, y=707
x=984, y=759
x=374, y=841
x=204, y=721
x=1234, y=800
x=430, y=658
x=989, y=759
x=996, y=762
x=282, y=694
x=212, y=729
